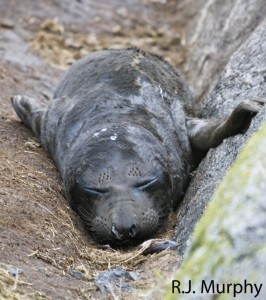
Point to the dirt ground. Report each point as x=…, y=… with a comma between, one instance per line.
x=40, y=234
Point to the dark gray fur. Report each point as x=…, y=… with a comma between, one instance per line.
x=122, y=133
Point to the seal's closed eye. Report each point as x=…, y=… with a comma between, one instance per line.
x=94, y=191
x=147, y=183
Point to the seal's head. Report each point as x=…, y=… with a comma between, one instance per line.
x=122, y=190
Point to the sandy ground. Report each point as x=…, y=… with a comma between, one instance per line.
x=39, y=233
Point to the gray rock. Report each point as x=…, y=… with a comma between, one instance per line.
x=229, y=243
x=14, y=271
x=243, y=78
x=115, y=279
x=214, y=31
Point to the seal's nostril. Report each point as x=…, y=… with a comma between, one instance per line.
x=124, y=232
x=133, y=231
x=116, y=233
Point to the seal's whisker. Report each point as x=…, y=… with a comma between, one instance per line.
x=88, y=215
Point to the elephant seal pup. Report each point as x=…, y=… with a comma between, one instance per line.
x=122, y=133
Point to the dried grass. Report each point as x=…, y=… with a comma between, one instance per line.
x=60, y=47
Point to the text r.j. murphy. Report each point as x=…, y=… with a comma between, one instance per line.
x=212, y=287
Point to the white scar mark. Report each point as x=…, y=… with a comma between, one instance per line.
x=161, y=92
x=113, y=137
x=98, y=132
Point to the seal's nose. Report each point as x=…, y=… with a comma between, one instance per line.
x=123, y=232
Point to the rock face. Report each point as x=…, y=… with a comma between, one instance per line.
x=214, y=31
x=243, y=78
x=229, y=243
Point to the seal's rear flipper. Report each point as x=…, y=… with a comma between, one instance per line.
x=30, y=111
x=205, y=134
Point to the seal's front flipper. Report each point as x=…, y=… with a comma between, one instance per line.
x=205, y=134
x=30, y=111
